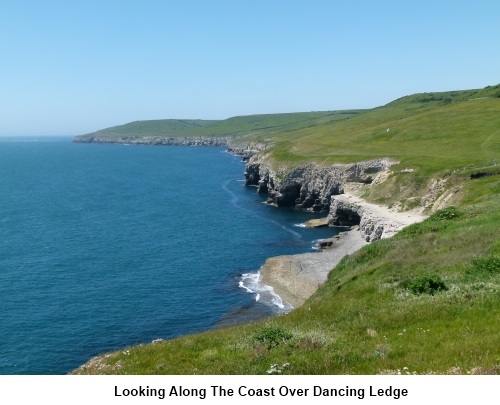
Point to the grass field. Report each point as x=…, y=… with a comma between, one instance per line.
x=426, y=301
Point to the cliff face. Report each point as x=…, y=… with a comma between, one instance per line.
x=154, y=140
x=321, y=188
x=375, y=221
x=310, y=186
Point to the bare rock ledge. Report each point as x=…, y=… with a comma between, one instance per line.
x=296, y=277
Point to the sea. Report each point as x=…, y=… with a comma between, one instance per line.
x=103, y=246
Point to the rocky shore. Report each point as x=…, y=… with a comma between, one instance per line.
x=324, y=188
x=296, y=277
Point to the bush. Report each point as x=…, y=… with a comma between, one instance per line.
x=273, y=335
x=446, y=214
x=427, y=284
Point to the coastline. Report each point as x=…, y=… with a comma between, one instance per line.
x=296, y=277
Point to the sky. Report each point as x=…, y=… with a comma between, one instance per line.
x=70, y=68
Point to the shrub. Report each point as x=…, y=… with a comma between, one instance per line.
x=426, y=284
x=446, y=214
x=273, y=335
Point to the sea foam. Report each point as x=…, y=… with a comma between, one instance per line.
x=265, y=294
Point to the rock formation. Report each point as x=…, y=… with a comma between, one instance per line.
x=375, y=221
x=321, y=188
x=309, y=186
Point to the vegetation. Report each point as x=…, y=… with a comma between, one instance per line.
x=426, y=301
x=426, y=284
x=272, y=335
x=245, y=126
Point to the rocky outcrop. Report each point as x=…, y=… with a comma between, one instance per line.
x=375, y=221
x=322, y=188
x=345, y=213
x=296, y=277
x=245, y=153
x=309, y=186
x=316, y=223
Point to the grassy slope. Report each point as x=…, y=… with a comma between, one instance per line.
x=437, y=135
x=420, y=126
x=369, y=317
x=236, y=126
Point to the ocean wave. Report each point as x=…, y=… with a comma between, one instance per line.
x=264, y=294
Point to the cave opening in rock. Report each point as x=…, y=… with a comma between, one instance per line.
x=347, y=218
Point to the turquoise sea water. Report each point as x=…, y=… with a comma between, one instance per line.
x=105, y=246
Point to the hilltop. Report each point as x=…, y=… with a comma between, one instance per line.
x=425, y=301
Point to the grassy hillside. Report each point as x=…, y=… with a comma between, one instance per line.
x=409, y=134
x=435, y=137
x=432, y=131
x=424, y=301
x=253, y=125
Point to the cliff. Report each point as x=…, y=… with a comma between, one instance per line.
x=154, y=140
x=325, y=188
x=311, y=185
x=375, y=221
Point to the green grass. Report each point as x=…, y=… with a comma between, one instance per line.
x=436, y=139
x=425, y=301
x=427, y=137
x=255, y=126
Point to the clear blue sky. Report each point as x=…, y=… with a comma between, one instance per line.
x=68, y=67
